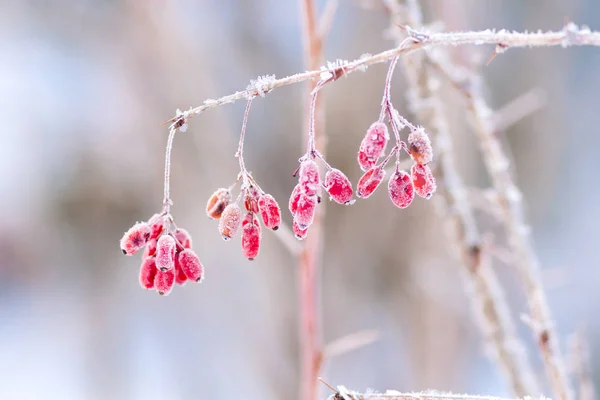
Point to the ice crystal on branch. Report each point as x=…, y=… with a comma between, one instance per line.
x=263, y=85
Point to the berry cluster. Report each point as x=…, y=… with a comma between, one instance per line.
x=168, y=257
x=256, y=201
x=307, y=193
x=229, y=214
x=401, y=185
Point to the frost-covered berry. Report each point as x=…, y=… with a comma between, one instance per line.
x=251, y=234
x=157, y=226
x=184, y=238
x=423, y=180
x=135, y=238
x=299, y=233
x=338, y=186
x=308, y=177
x=190, y=265
x=217, y=202
x=165, y=253
x=419, y=146
x=180, y=276
x=305, y=213
x=400, y=189
x=150, y=249
x=230, y=221
x=294, y=199
x=164, y=281
x=373, y=145
x=369, y=182
x=269, y=211
x=147, y=273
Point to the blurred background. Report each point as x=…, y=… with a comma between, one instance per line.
x=84, y=86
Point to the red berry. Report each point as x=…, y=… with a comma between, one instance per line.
x=369, y=182
x=190, y=265
x=217, y=203
x=157, y=225
x=135, y=238
x=165, y=253
x=308, y=177
x=180, y=276
x=147, y=273
x=373, y=145
x=419, y=146
x=164, y=281
x=305, y=213
x=338, y=186
x=294, y=199
x=423, y=180
x=184, y=238
x=401, y=189
x=269, y=211
x=150, y=249
x=230, y=221
x=299, y=233
x=251, y=234
x=250, y=199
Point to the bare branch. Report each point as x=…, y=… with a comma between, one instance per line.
x=517, y=230
x=487, y=298
x=519, y=108
x=326, y=19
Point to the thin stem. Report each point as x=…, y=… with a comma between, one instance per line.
x=570, y=35
x=240, y=152
x=167, y=190
x=310, y=339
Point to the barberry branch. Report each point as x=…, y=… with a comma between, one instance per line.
x=488, y=302
x=167, y=187
x=517, y=230
x=570, y=35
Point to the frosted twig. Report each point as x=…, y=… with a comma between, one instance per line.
x=487, y=298
x=517, y=230
x=345, y=394
x=167, y=187
x=581, y=366
x=570, y=35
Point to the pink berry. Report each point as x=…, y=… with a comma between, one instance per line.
x=165, y=253
x=401, y=189
x=147, y=273
x=419, y=146
x=157, y=226
x=294, y=199
x=338, y=186
x=150, y=249
x=373, y=145
x=184, y=238
x=180, y=276
x=164, y=281
x=190, y=265
x=299, y=233
x=369, y=182
x=135, y=238
x=251, y=234
x=308, y=177
x=305, y=213
x=423, y=180
x=217, y=203
x=230, y=221
x=269, y=211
